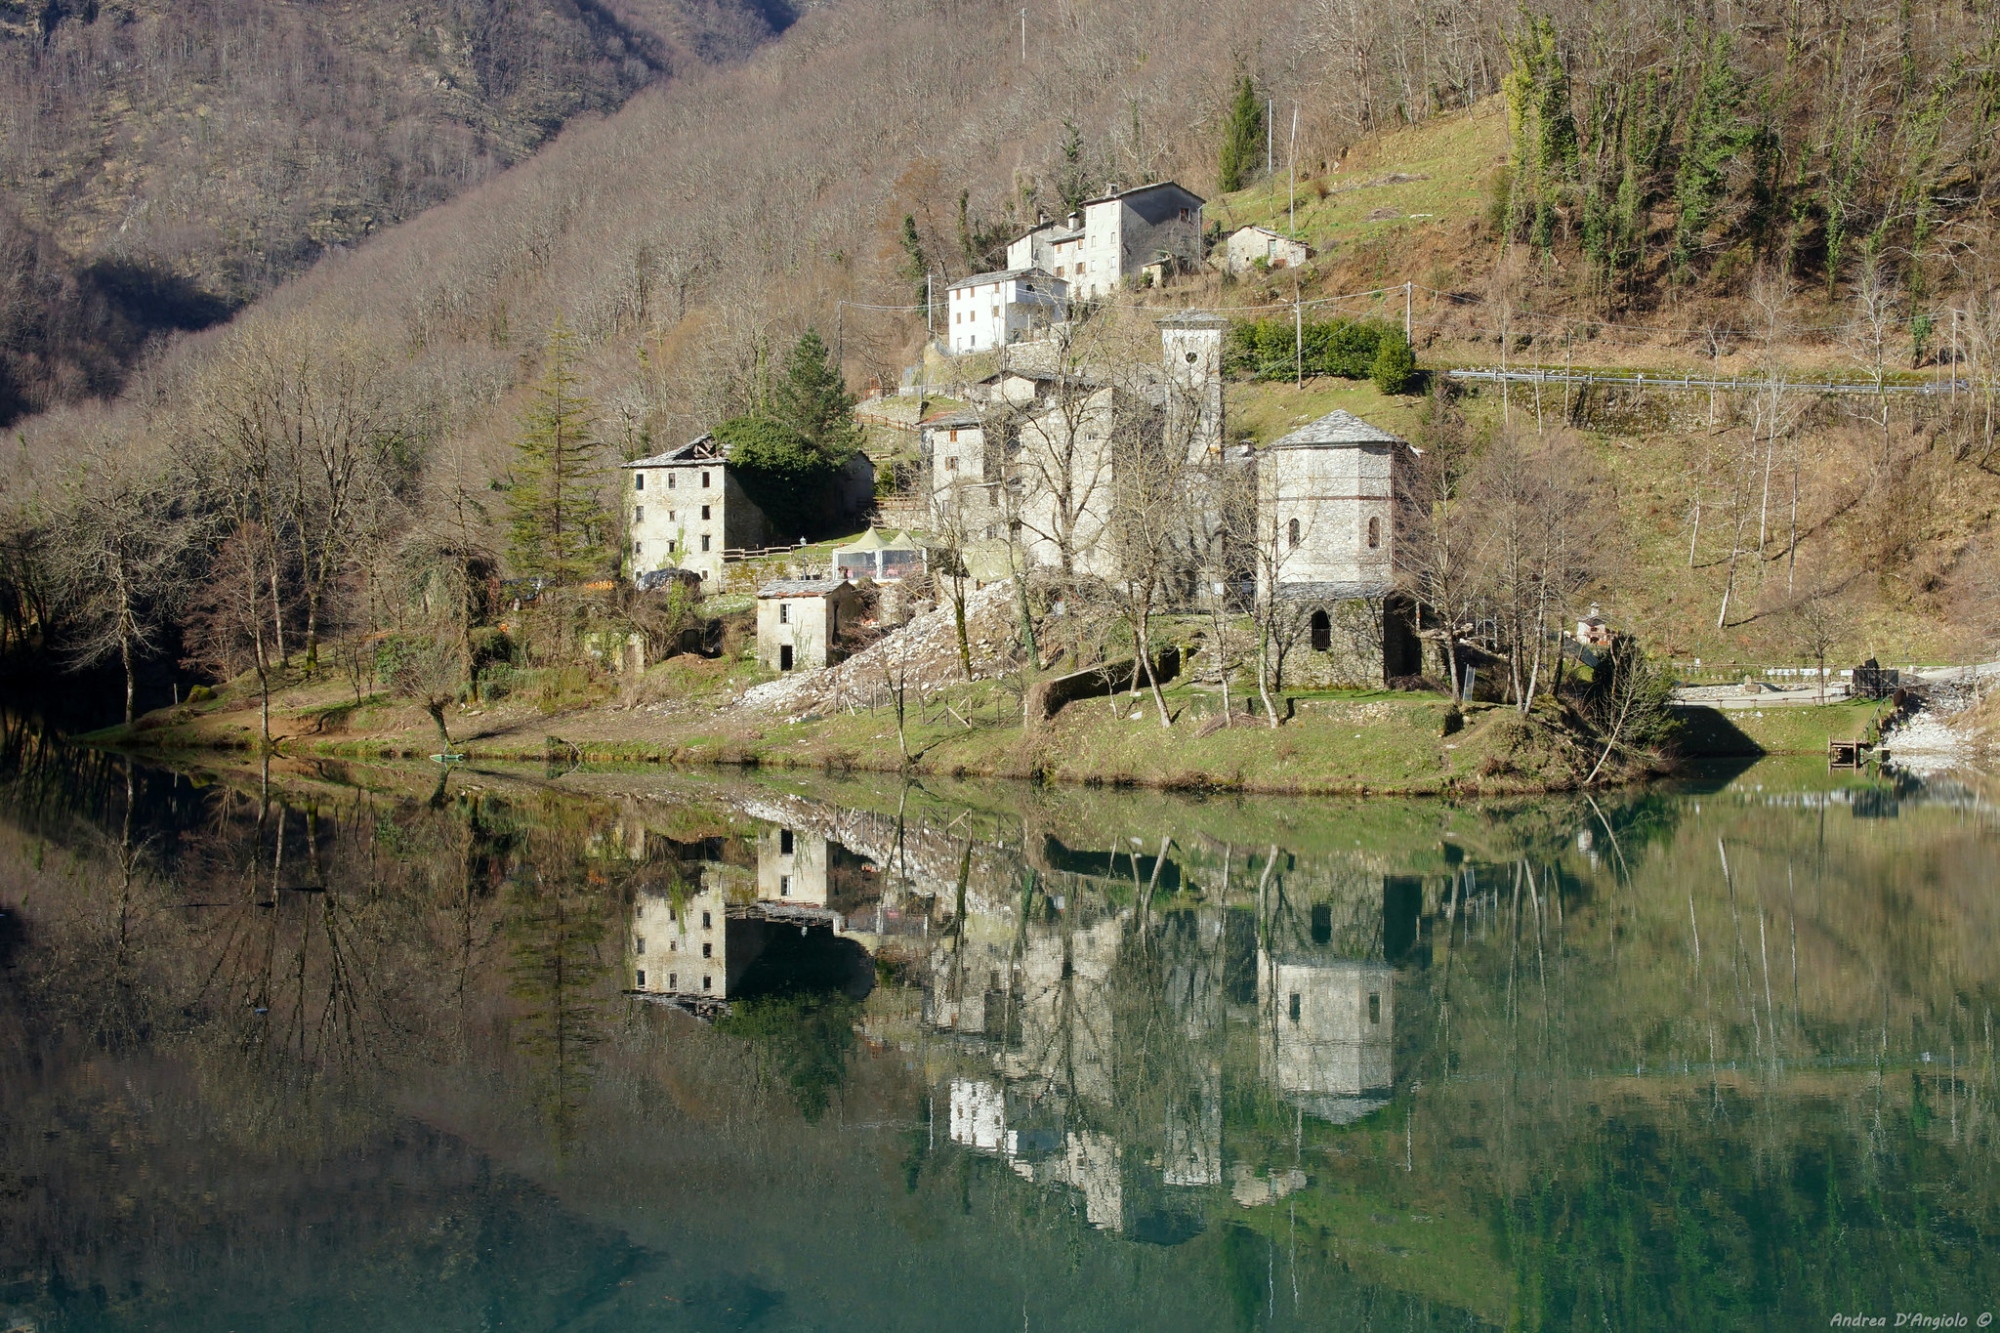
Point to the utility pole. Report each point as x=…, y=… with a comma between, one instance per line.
x=1024, y=37
x=930, y=328
x=1292, y=172
x=1270, y=104
x=1408, y=288
x=1298, y=337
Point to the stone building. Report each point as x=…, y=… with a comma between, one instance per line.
x=685, y=510
x=1327, y=497
x=798, y=621
x=792, y=867
x=990, y=310
x=690, y=948
x=1116, y=236
x=1249, y=247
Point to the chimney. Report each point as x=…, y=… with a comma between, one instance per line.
x=1074, y=221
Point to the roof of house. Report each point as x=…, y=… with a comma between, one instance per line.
x=1337, y=429
x=1145, y=189
x=963, y=416
x=702, y=449
x=1266, y=231
x=801, y=587
x=1193, y=319
x=1003, y=275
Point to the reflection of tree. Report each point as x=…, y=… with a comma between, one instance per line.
x=555, y=929
x=806, y=1036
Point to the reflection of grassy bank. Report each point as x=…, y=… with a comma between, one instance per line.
x=1790, y=729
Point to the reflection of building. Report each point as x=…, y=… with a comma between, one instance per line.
x=791, y=867
x=1330, y=1026
x=691, y=948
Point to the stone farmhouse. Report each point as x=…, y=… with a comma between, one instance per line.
x=1246, y=247
x=686, y=509
x=1153, y=228
x=989, y=310
x=798, y=621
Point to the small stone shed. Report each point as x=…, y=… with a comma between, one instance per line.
x=798, y=621
x=1248, y=246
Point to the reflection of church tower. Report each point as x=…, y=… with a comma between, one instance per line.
x=1331, y=1023
x=792, y=867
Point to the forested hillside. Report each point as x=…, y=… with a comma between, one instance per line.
x=162, y=162
x=1684, y=177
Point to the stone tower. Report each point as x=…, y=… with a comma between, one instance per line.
x=1191, y=345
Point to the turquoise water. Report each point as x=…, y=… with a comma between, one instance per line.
x=342, y=1048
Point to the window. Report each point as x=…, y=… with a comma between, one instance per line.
x=673, y=981
x=1292, y=530
x=635, y=550
x=1059, y=270
x=704, y=983
x=1295, y=1006
x=638, y=944
x=707, y=949
x=641, y=978
x=704, y=513
x=704, y=546
x=670, y=481
x=706, y=921
x=1322, y=632
x=954, y=437
x=784, y=886
x=784, y=842
x=638, y=513
x=1375, y=1007
x=784, y=614
x=704, y=481
x=951, y=464
x=638, y=481
x=1374, y=533
x=671, y=516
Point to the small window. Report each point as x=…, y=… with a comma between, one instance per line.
x=640, y=976
x=951, y=464
x=705, y=983
x=954, y=437
x=1322, y=632
x=785, y=842
x=1375, y=1008
x=671, y=516
x=638, y=481
x=673, y=981
x=704, y=481
x=704, y=546
x=636, y=550
x=707, y=922
x=1292, y=531
x=1374, y=533
x=638, y=944
x=784, y=613
x=705, y=512
x=784, y=886
x=638, y=513
x=1295, y=1006
x=707, y=950
x=670, y=481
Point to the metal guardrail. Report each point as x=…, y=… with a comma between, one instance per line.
x=1642, y=380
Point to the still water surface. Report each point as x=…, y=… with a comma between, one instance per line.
x=348, y=1049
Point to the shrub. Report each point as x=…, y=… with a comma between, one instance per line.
x=1395, y=368
x=200, y=694
x=1272, y=349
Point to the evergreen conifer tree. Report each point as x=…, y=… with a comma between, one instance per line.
x=1242, y=136
x=813, y=402
x=556, y=519
x=1395, y=368
x=1074, y=183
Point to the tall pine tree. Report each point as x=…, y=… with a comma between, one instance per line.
x=813, y=402
x=556, y=518
x=1242, y=136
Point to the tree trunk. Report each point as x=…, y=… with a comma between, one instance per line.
x=1264, y=675
x=125, y=653
x=436, y=710
x=1144, y=638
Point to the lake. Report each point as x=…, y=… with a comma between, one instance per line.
x=346, y=1047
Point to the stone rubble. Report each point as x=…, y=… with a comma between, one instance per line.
x=923, y=653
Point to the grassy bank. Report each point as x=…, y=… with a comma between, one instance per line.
x=1331, y=742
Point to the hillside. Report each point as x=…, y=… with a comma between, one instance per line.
x=162, y=164
x=1617, y=204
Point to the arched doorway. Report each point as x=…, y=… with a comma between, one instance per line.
x=1322, y=631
